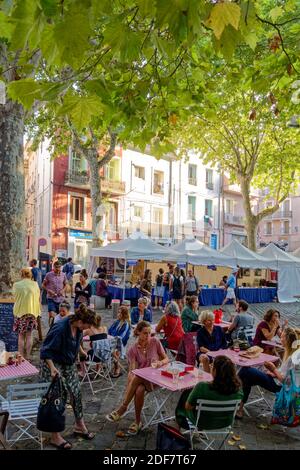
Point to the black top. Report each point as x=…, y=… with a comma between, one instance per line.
x=59, y=344
x=98, y=336
x=212, y=342
x=80, y=292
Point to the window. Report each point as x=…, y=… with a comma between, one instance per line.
x=209, y=179
x=286, y=227
x=269, y=228
x=139, y=172
x=77, y=204
x=78, y=163
x=138, y=212
x=158, y=182
x=157, y=216
x=191, y=207
x=229, y=205
x=286, y=208
x=192, y=174
x=208, y=207
x=113, y=171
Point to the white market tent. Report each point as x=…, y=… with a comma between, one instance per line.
x=136, y=246
x=288, y=267
x=296, y=253
x=245, y=258
x=194, y=252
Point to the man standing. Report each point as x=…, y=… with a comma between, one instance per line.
x=230, y=287
x=191, y=284
x=55, y=283
x=68, y=269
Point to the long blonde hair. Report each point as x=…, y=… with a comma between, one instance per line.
x=291, y=335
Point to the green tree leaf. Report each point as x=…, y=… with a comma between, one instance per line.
x=224, y=14
x=275, y=13
x=81, y=109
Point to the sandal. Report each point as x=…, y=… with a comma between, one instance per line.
x=113, y=417
x=85, y=435
x=134, y=429
x=62, y=446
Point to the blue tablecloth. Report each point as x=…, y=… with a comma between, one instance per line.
x=210, y=296
x=254, y=295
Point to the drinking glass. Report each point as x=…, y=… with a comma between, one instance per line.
x=176, y=376
x=154, y=363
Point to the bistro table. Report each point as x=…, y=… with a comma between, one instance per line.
x=274, y=344
x=243, y=361
x=16, y=372
x=166, y=387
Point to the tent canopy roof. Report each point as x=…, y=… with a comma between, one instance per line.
x=246, y=258
x=282, y=258
x=194, y=252
x=137, y=246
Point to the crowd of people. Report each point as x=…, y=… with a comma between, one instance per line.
x=62, y=351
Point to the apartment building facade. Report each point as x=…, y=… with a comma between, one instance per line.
x=282, y=227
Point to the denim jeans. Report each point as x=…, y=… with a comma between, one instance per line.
x=251, y=376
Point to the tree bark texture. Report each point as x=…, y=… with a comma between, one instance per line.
x=251, y=221
x=96, y=198
x=12, y=195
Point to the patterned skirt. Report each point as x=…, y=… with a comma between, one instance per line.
x=25, y=324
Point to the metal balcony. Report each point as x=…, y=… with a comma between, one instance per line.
x=280, y=215
x=77, y=223
x=234, y=219
x=112, y=187
x=209, y=185
x=76, y=178
x=193, y=181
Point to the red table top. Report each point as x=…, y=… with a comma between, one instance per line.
x=243, y=361
x=187, y=381
x=14, y=372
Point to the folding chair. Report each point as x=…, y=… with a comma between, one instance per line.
x=3, y=442
x=98, y=369
x=187, y=349
x=212, y=406
x=22, y=404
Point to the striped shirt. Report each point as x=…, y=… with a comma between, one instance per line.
x=55, y=283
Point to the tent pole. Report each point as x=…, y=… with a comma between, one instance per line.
x=124, y=279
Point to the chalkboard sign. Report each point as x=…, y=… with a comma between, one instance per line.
x=7, y=335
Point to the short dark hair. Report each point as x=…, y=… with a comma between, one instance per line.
x=34, y=262
x=102, y=276
x=65, y=304
x=69, y=259
x=57, y=264
x=161, y=271
x=244, y=306
x=269, y=314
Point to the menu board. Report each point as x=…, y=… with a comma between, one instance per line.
x=7, y=335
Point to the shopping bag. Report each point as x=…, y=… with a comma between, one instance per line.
x=286, y=409
x=169, y=438
x=51, y=412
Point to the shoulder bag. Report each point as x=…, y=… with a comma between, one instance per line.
x=51, y=412
x=169, y=438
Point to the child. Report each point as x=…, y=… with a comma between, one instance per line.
x=64, y=311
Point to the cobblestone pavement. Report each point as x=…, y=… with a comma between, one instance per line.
x=254, y=431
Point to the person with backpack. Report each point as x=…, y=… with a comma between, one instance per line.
x=177, y=287
x=159, y=289
x=191, y=284
x=36, y=272
x=68, y=269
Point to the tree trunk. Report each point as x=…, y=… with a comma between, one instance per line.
x=96, y=198
x=251, y=219
x=12, y=195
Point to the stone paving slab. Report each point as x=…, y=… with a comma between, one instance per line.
x=255, y=431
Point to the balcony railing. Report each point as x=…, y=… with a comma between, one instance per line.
x=234, y=219
x=109, y=186
x=193, y=181
x=280, y=215
x=158, y=189
x=78, y=178
x=77, y=223
x=209, y=185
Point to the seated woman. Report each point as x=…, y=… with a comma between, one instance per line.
x=267, y=329
x=102, y=291
x=225, y=386
x=141, y=312
x=171, y=324
x=146, y=352
x=120, y=328
x=95, y=332
x=210, y=337
x=190, y=314
x=273, y=378
x=83, y=290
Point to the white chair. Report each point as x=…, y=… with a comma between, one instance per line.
x=22, y=402
x=212, y=406
x=98, y=369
